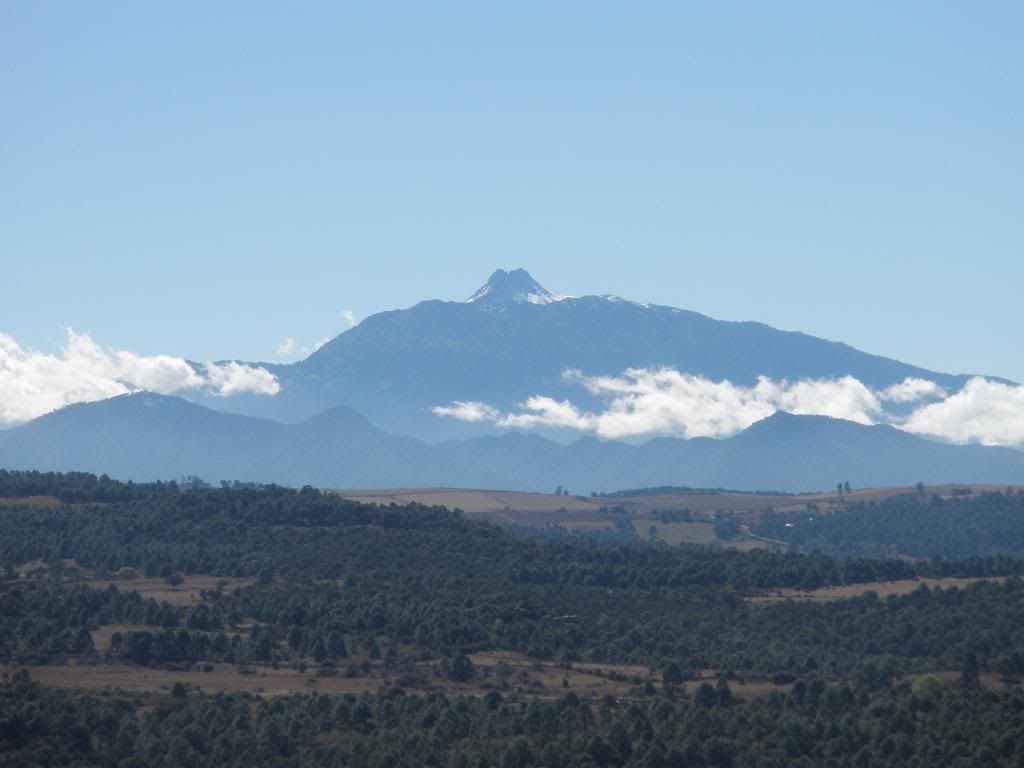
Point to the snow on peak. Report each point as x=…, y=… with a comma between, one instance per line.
x=515, y=287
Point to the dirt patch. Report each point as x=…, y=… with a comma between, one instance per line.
x=187, y=593
x=39, y=502
x=676, y=533
x=224, y=677
x=473, y=501
x=101, y=635
x=881, y=588
x=503, y=671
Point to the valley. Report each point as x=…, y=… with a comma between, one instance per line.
x=354, y=612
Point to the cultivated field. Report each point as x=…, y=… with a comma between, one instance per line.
x=599, y=513
x=882, y=588
x=41, y=502
x=187, y=593
x=503, y=671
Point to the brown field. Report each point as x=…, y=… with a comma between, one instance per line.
x=676, y=533
x=224, y=678
x=101, y=635
x=583, y=513
x=474, y=501
x=507, y=672
x=41, y=502
x=186, y=594
x=881, y=588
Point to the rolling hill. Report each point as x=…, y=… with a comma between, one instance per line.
x=146, y=436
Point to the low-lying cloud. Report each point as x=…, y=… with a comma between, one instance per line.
x=472, y=412
x=984, y=411
x=645, y=402
x=33, y=383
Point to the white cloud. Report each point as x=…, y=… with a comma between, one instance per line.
x=289, y=346
x=545, y=411
x=984, y=411
x=231, y=378
x=911, y=390
x=468, y=411
x=843, y=398
x=663, y=401
x=349, y=317
x=33, y=383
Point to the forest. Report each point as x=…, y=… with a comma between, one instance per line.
x=920, y=525
x=339, y=589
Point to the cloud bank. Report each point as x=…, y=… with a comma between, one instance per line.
x=33, y=383
x=645, y=402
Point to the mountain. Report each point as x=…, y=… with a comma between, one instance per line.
x=514, y=338
x=146, y=437
x=786, y=452
x=515, y=287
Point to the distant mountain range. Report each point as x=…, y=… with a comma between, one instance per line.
x=146, y=437
x=513, y=339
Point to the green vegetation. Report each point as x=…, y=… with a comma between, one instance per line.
x=913, y=525
x=337, y=584
x=815, y=724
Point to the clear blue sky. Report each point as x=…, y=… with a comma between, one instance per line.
x=206, y=179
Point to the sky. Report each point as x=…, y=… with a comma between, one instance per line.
x=212, y=180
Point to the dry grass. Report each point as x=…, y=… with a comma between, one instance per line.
x=504, y=671
x=188, y=593
x=474, y=501
x=40, y=502
x=676, y=533
x=223, y=678
x=881, y=588
x=101, y=635
x=583, y=513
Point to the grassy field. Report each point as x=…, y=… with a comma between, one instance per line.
x=503, y=671
x=584, y=513
x=42, y=502
x=882, y=588
x=476, y=501
x=676, y=533
x=188, y=593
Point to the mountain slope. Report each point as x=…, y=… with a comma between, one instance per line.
x=141, y=437
x=785, y=451
x=146, y=437
x=513, y=339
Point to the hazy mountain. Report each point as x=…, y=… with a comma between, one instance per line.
x=787, y=452
x=146, y=437
x=513, y=338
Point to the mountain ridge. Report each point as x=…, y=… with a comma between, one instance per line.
x=144, y=436
x=395, y=366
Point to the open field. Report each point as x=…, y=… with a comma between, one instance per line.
x=676, y=533
x=501, y=671
x=592, y=513
x=476, y=501
x=882, y=588
x=187, y=593
x=224, y=678
x=41, y=502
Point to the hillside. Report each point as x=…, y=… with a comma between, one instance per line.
x=146, y=437
x=501, y=347
x=282, y=628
